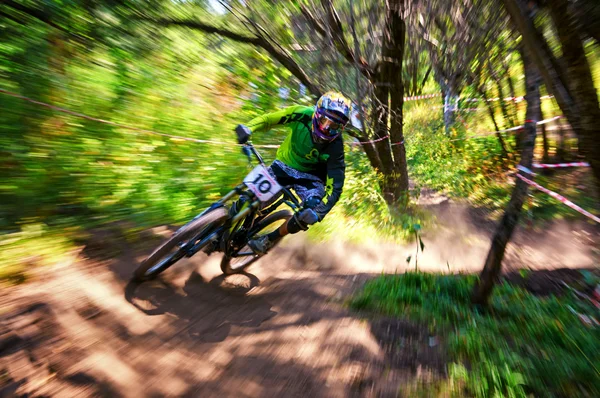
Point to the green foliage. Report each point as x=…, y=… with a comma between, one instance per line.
x=70, y=173
x=32, y=246
x=475, y=169
x=523, y=344
x=488, y=380
x=362, y=215
x=445, y=162
x=67, y=172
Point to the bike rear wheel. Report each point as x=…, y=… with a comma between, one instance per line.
x=171, y=251
x=239, y=260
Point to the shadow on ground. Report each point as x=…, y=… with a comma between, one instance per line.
x=85, y=331
x=282, y=328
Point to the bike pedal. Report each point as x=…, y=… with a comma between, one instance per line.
x=209, y=248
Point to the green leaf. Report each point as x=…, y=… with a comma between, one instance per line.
x=588, y=277
x=523, y=273
x=421, y=243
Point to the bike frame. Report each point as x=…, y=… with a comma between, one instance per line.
x=246, y=217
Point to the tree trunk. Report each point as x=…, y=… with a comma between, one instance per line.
x=546, y=146
x=561, y=150
x=382, y=145
x=395, y=51
x=390, y=93
x=372, y=154
x=451, y=97
x=581, y=84
x=588, y=17
x=424, y=80
x=572, y=87
x=507, y=119
x=512, y=92
x=490, y=109
x=493, y=263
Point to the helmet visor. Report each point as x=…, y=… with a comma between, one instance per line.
x=329, y=124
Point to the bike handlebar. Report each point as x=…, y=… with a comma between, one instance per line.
x=290, y=196
x=248, y=150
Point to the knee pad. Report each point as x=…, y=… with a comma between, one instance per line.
x=302, y=220
x=295, y=225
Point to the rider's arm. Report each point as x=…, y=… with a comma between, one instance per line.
x=267, y=121
x=336, y=173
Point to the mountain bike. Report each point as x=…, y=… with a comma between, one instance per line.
x=247, y=211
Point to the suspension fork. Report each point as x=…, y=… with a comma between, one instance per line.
x=235, y=191
x=247, y=208
x=234, y=223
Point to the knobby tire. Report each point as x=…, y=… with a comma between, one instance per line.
x=228, y=268
x=213, y=218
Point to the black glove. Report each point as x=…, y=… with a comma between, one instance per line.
x=246, y=151
x=312, y=202
x=308, y=216
x=243, y=133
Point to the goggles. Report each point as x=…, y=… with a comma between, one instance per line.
x=329, y=124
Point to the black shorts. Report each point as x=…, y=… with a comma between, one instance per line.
x=304, y=184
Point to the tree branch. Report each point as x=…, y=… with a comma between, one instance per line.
x=259, y=41
x=337, y=34
x=206, y=28
x=40, y=16
x=313, y=21
x=426, y=76
x=544, y=59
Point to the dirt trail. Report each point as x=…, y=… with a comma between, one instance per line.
x=85, y=332
x=79, y=329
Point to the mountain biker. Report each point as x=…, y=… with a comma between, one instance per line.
x=311, y=159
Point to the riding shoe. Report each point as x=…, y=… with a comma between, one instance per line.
x=260, y=245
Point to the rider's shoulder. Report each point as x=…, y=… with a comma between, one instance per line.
x=297, y=113
x=307, y=110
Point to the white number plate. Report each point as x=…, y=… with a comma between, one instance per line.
x=260, y=182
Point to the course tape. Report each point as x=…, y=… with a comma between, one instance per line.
x=505, y=130
x=369, y=142
x=200, y=141
x=377, y=140
x=560, y=165
x=420, y=97
x=507, y=99
x=173, y=137
x=560, y=198
x=526, y=170
x=461, y=109
x=124, y=126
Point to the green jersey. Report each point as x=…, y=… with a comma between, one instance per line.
x=300, y=152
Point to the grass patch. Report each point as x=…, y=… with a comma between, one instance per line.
x=474, y=169
x=33, y=246
x=361, y=215
x=522, y=345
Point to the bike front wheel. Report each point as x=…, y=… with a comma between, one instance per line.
x=237, y=261
x=172, y=251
